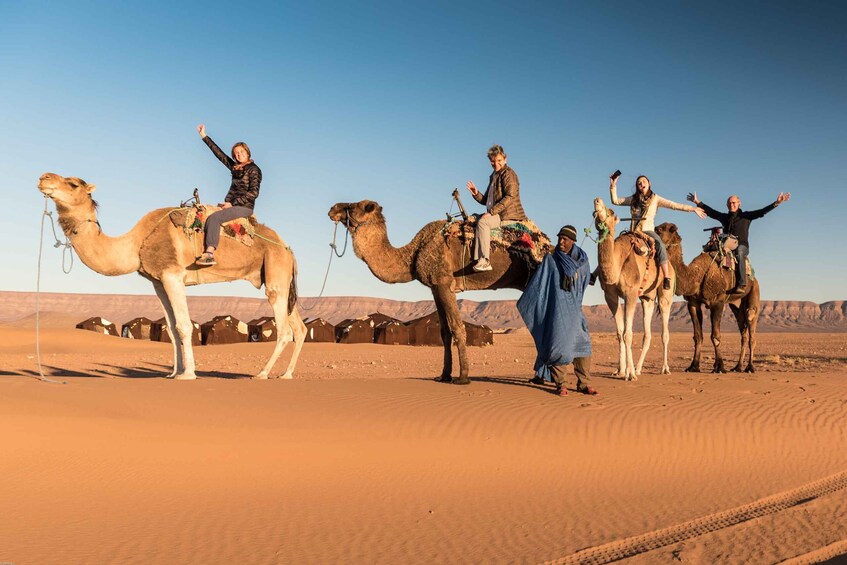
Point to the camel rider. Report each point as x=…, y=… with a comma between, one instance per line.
x=736, y=222
x=502, y=204
x=239, y=201
x=643, y=205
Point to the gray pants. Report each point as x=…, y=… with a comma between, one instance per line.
x=215, y=219
x=482, y=236
x=582, y=369
x=741, y=253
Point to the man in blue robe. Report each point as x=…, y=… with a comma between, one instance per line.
x=551, y=307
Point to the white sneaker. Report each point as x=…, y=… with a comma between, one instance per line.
x=482, y=265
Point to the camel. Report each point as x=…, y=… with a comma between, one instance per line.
x=164, y=255
x=704, y=283
x=622, y=273
x=443, y=266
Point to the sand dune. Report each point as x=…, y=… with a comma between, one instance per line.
x=362, y=458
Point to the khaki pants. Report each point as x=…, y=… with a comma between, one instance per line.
x=581, y=368
x=482, y=236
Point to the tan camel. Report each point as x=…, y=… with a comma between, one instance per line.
x=622, y=274
x=164, y=255
x=443, y=267
x=704, y=283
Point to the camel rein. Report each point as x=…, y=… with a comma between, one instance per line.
x=67, y=247
x=333, y=250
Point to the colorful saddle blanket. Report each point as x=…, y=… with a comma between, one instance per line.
x=192, y=219
x=642, y=243
x=519, y=238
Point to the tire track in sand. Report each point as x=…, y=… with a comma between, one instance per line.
x=819, y=555
x=632, y=546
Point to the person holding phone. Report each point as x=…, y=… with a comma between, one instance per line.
x=502, y=202
x=643, y=205
x=737, y=222
x=239, y=201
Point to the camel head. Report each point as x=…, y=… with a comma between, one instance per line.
x=669, y=234
x=355, y=214
x=67, y=192
x=605, y=219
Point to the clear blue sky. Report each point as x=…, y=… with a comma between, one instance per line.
x=398, y=102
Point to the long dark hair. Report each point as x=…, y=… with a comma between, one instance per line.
x=639, y=201
x=636, y=195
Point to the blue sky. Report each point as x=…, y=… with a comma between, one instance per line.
x=398, y=102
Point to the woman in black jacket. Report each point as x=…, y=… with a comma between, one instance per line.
x=241, y=198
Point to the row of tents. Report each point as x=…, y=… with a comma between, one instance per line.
x=374, y=328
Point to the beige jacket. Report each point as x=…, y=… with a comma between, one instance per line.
x=647, y=222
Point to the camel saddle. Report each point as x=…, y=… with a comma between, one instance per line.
x=642, y=244
x=523, y=238
x=192, y=219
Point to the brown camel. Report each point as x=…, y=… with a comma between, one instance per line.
x=164, y=255
x=622, y=274
x=704, y=283
x=441, y=265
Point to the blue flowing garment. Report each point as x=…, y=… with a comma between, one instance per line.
x=553, y=315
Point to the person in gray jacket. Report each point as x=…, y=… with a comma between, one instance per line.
x=502, y=204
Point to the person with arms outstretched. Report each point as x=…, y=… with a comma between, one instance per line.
x=736, y=222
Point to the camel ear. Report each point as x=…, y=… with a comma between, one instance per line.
x=370, y=207
x=90, y=188
x=673, y=229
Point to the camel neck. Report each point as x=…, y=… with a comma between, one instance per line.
x=684, y=279
x=103, y=254
x=387, y=263
x=610, y=257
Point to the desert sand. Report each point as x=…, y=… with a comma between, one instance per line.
x=362, y=458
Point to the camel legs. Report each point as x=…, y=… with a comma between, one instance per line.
x=170, y=327
x=665, y=301
x=175, y=290
x=444, y=296
x=617, y=313
x=298, y=328
x=288, y=327
x=696, y=314
x=716, y=311
x=647, y=308
x=446, y=340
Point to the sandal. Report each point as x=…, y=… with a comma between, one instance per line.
x=536, y=380
x=587, y=390
x=206, y=260
x=561, y=390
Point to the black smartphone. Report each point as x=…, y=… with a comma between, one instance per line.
x=616, y=174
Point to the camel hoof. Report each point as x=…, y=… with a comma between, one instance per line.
x=692, y=369
x=185, y=377
x=750, y=369
x=442, y=379
x=461, y=381
x=260, y=377
x=666, y=370
x=286, y=376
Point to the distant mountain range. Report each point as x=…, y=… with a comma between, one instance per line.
x=776, y=315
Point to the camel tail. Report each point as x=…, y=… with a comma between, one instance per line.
x=292, y=289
